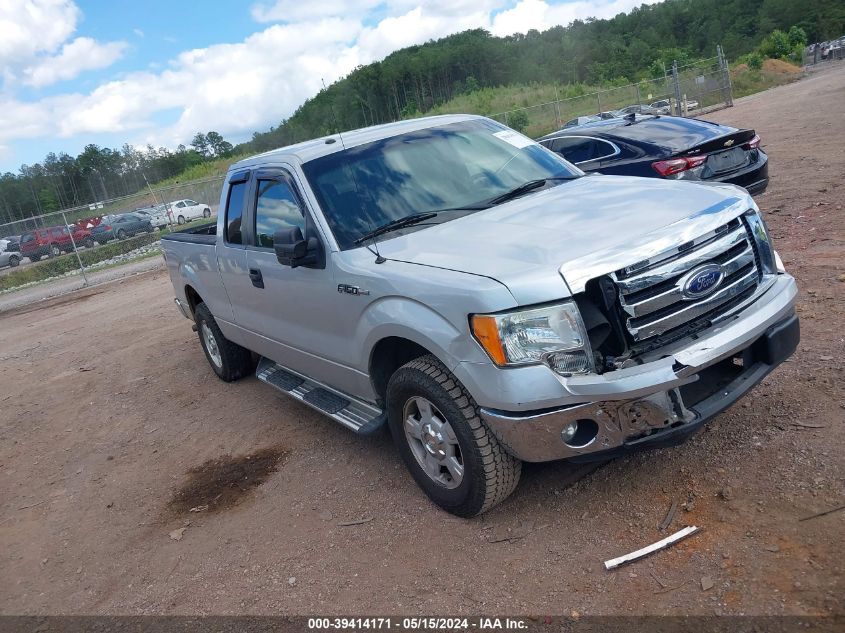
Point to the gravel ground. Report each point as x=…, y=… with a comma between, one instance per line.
x=109, y=409
x=62, y=285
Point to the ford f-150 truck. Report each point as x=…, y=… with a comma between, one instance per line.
x=452, y=279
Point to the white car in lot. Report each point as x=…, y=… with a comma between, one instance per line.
x=187, y=210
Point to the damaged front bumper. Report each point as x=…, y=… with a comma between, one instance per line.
x=661, y=402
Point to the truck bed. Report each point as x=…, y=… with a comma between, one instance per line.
x=203, y=234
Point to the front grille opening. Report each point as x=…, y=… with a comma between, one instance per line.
x=663, y=286
x=680, y=251
x=650, y=302
x=691, y=327
x=671, y=309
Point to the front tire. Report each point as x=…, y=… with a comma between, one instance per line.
x=88, y=242
x=55, y=251
x=229, y=360
x=181, y=219
x=451, y=455
x=121, y=234
x=14, y=260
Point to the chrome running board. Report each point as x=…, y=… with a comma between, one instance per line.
x=358, y=416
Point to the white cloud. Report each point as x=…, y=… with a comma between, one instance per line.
x=236, y=88
x=138, y=32
x=34, y=46
x=299, y=11
x=539, y=15
x=30, y=27
x=77, y=56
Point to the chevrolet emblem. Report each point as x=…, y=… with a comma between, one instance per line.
x=729, y=142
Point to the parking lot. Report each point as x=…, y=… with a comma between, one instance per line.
x=110, y=413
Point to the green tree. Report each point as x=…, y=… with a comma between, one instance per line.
x=518, y=120
x=776, y=45
x=755, y=61
x=200, y=145
x=797, y=36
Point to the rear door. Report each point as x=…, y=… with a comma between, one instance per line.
x=231, y=250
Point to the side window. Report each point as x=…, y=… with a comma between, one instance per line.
x=573, y=149
x=578, y=149
x=277, y=208
x=180, y=205
x=234, y=212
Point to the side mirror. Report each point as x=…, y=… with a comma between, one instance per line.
x=294, y=250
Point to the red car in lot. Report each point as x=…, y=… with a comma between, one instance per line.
x=53, y=241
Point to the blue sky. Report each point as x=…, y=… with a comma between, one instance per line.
x=156, y=72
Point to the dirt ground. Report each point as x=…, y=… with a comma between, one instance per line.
x=109, y=410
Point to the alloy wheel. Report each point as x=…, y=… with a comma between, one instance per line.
x=433, y=442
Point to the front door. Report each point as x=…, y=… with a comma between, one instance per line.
x=293, y=310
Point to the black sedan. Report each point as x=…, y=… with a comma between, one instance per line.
x=665, y=147
x=120, y=227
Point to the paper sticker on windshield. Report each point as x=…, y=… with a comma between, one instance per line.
x=514, y=138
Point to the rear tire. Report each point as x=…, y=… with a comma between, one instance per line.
x=229, y=360
x=121, y=234
x=14, y=260
x=475, y=472
x=34, y=258
x=55, y=251
x=206, y=213
x=88, y=242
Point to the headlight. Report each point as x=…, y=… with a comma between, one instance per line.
x=553, y=335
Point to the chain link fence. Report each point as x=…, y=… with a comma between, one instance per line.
x=823, y=52
x=683, y=90
x=75, y=244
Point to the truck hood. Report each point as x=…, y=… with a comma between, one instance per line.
x=548, y=244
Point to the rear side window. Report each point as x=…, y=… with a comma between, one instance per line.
x=577, y=149
x=27, y=238
x=234, y=211
x=277, y=208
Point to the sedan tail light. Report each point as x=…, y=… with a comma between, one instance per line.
x=754, y=143
x=677, y=165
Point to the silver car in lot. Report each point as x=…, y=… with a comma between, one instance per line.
x=8, y=257
x=484, y=299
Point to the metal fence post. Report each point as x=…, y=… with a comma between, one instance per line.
x=598, y=100
x=557, y=106
x=75, y=250
x=677, y=88
x=727, y=87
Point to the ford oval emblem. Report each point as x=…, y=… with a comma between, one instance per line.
x=702, y=281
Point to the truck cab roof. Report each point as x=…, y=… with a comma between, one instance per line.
x=323, y=146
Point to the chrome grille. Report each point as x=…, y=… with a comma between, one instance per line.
x=651, y=292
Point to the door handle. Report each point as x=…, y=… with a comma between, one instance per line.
x=256, y=278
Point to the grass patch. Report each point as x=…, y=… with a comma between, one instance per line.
x=58, y=266
x=747, y=81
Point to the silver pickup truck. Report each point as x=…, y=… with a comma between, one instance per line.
x=452, y=279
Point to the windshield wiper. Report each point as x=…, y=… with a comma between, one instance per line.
x=525, y=188
x=394, y=225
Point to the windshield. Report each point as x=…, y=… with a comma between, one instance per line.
x=458, y=165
